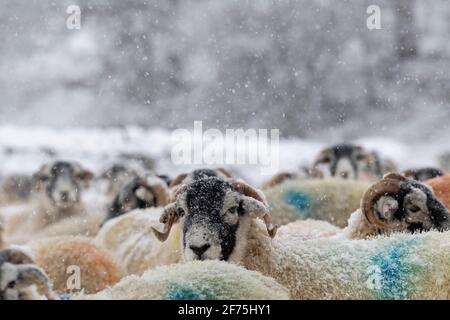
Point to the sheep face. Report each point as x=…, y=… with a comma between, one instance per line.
x=421, y=209
x=21, y=279
x=63, y=182
x=140, y=193
x=402, y=204
x=343, y=161
x=215, y=218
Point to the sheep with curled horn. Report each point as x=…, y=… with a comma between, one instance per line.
x=396, y=203
x=133, y=237
x=140, y=193
x=212, y=227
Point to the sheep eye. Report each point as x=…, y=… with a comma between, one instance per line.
x=181, y=212
x=360, y=157
x=11, y=285
x=232, y=210
x=325, y=160
x=413, y=209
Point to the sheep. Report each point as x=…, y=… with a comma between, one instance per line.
x=394, y=204
x=140, y=193
x=221, y=281
x=422, y=174
x=62, y=257
x=330, y=199
x=346, y=161
x=215, y=218
x=58, y=202
x=441, y=187
x=21, y=278
x=133, y=242
x=196, y=280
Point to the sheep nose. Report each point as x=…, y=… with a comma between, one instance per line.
x=64, y=195
x=344, y=174
x=199, y=250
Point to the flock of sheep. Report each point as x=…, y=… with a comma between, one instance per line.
x=350, y=226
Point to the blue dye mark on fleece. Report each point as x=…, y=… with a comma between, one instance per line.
x=301, y=201
x=188, y=293
x=395, y=270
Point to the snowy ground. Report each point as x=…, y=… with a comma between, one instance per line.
x=24, y=149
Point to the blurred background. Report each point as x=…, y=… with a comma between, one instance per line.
x=310, y=68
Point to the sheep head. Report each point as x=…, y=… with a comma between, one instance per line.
x=21, y=279
x=215, y=216
x=140, y=193
x=62, y=182
x=346, y=161
x=398, y=203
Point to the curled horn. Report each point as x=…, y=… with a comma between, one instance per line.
x=387, y=186
x=169, y=217
x=249, y=191
x=159, y=190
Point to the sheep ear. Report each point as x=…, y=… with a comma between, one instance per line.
x=30, y=274
x=169, y=217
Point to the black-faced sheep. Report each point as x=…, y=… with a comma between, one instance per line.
x=140, y=193
x=215, y=218
x=349, y=161
x=59, y=199
x=394, y=204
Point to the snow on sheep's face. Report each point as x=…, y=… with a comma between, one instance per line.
x=213, y=217
x=403, y=204
x=63, y=182
x=214, y=220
